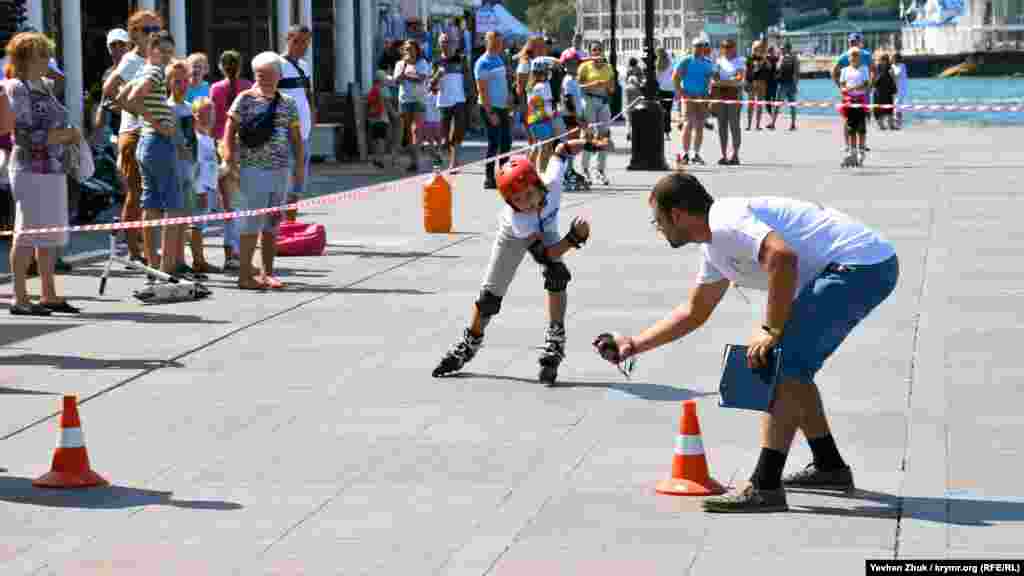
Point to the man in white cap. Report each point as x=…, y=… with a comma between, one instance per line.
x=692, y=80
x=118, y=44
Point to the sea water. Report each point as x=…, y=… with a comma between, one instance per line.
x=1004, y=91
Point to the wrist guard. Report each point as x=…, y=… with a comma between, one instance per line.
x=574, y=239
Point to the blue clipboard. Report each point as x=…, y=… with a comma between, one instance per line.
x=744, y=388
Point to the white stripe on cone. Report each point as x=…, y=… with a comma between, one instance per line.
x=71, y=438
x=689, y=445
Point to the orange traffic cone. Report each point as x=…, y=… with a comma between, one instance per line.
x=70, y=461
x=689, y=466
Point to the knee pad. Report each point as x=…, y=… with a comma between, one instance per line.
x=556, y=277
x=488, y=304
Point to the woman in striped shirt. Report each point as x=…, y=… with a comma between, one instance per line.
x=161, y=195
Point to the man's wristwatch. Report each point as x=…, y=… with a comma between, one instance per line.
x=776, y=332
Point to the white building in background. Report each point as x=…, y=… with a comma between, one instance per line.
x=676, y=23
x=961, y=26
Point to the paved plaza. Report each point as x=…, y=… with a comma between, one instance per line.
x=300, y=432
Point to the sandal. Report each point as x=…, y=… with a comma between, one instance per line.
x=30, y=309
x=256, y=285
x=271, y=282
x=61, y=307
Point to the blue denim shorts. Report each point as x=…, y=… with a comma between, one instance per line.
x=542, y=130
x=827, y=309
x=261, y=189
x=158, y=164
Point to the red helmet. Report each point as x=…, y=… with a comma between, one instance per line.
x=515, y=176
x=569, y=55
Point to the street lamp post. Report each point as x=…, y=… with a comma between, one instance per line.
x=613, y=59
x=648, y=151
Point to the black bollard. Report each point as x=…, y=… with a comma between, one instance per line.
x=647, y=137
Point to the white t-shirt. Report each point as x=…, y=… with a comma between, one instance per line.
x=899, y=71
x=570, y=87
x=299, y=94
x=524, y=225
x=665, y=79
x=411, y=90
x=432, y=113
x=728, y=69
x=855, y=79
x=818, y=234
x=452, y=88
x=128, y=70
x=206, y=164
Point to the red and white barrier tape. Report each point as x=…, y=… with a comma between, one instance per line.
x=834, y=104
x=355, y=194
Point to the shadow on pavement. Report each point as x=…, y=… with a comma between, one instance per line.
x=953, y=510
x=80, y=363
x=70, y=298
x=25, y=392
x=17, y=332
x=147, y=317
x=20, y=491
x=334, y=289
x=653, y=392
x=371, y=254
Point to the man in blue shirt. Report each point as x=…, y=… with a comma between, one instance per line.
x=691, y=79
x=491, y=76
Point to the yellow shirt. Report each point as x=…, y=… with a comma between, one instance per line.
x=589, y=73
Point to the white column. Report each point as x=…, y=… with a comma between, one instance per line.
x=71, y=33
x=368, y=26
x=35, y=14
x=177, y=27
x=306, y=17
x=284, y=21
x=344, y=45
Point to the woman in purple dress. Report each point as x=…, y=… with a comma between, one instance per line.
x=29, y=110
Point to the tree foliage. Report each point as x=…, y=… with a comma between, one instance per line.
x=887, y=4
x=755, y=15
x=556, y=17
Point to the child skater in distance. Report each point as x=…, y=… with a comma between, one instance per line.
x=528, y=224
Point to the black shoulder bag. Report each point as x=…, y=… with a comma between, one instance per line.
x=256, y=131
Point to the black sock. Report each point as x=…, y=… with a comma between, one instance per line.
x=768, y=475
x=826, y=455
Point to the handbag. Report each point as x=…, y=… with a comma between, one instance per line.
x=256, y=131
x=78, y=160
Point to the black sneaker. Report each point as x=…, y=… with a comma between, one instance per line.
x=748, y=501
x=698, y=160
x=813, y=477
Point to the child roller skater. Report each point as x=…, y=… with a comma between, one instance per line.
x=855, y=82
x=528, y=224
